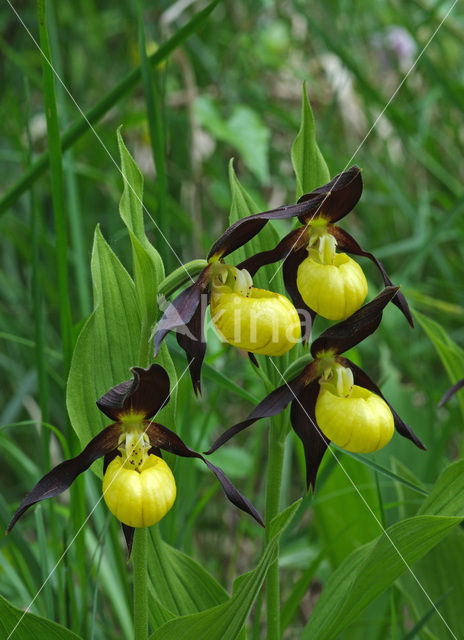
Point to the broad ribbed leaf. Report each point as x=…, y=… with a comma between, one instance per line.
x=368, y=571
x=179, y=584
x=225, y=621
x=440, y=572
x=441, y=575
x=447, y=495
x=242, y=206
x=108, y=345
x=310, y=168
x=27, y=625
x=148, y=268
x=147, y=264
x=342, y=520
x=269, y=277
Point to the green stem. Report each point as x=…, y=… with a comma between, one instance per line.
x=182, y=275
x=139, y=554
x=274, y=481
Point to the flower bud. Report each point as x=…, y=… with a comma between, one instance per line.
x=262, y=322
x=139, y=497
x=334, y=291
x=360, y=423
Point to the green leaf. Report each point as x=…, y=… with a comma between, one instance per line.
x=447, y=495
x=180, y=585
x=244, y=130
x=243, y=205
x=451, y=355
x=148, y=271
x=368, y=571
x=224, y=622
x=402, y=479
x=269, y=277
x=148, y=266
x=250, y=136
x=30, y=625
x=344, y=523
x=108, y=344
x=440, y=574
x=308, y=162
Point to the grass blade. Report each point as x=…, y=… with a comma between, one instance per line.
x=96, y=113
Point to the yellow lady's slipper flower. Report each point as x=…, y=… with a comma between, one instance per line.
x=256, y=320
x=138, y=485
x=332, y=399
x=325, y=282
x=334, y=291
x=139, y=497
x=360, y=422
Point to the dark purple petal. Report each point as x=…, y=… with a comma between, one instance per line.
x=233, y=494
x=362, y=379
x=350, y=332
x=182, y=308
x=166, y=439
x=303, y=419
x=272, y=404
x=333, y=201
x=145, y=394
x=296, y=239
x=253, y=359
x=193, y=343
x=454, y=389
x=290, y=270
x=337, y=198
x=347, y=243
x=61, y=477
x=129, y=537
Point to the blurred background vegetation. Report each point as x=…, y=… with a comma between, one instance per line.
x=233, y=90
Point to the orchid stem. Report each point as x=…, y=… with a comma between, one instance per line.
x=139, y=555
x=274, y=481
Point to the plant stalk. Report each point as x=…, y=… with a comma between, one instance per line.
x=139, y=554
x=273, y=486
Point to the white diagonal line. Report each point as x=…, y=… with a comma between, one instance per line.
x=368, y=507
x=392, y=97
x=92, y=128
x=27, y=609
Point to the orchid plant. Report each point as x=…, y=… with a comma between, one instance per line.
x=332, y=399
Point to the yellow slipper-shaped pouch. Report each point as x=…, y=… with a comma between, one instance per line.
x=139, y=497
x=334, y=291
x=361, y=423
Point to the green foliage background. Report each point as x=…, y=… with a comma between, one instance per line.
x=232, y=90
